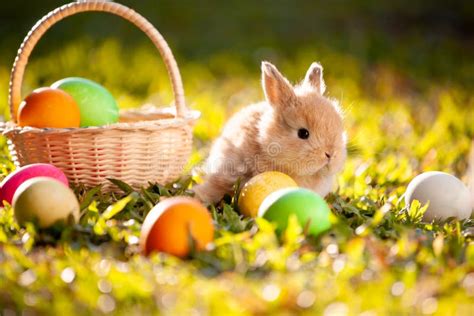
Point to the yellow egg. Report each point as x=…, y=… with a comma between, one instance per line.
x=44, y=200
x=259, y=187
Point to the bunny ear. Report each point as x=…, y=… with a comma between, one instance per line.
x=314, y=78
x=278, y=91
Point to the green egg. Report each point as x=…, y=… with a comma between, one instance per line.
x=310, y=209
x=97, y=105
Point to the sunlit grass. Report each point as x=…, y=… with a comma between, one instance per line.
x=378, y=258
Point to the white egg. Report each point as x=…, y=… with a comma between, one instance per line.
x=46, y=200
x=446, y=194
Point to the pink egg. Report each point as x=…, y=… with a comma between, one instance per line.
x=20, y=175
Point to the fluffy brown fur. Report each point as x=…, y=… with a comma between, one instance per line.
x=264, y=137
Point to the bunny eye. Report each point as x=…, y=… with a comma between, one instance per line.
x=303, y=133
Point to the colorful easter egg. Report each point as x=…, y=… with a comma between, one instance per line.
x=45, y=201
x=11, y=183
x=259, y=187
x=310, y=209
x=97, y=106
x=446, y=194
x=172, y=223
x=48, y=107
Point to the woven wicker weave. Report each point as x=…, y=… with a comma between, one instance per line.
x=147, y=145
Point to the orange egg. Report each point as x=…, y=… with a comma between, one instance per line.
x=48, y=107
x=172, y=223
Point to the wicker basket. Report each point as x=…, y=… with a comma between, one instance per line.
x=147, y=145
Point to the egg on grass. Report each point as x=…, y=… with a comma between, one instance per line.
x=97, y=105
x=311, y=210
x=447, y=196
x=49, y=108
x=44, y=201
x=173, y=224
x=259, y=187
x=11, y=183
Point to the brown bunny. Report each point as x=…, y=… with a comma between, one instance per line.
x=296, y=130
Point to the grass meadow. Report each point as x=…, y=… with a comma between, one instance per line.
x=407, y=94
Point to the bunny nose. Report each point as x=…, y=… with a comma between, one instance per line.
x=328, y=155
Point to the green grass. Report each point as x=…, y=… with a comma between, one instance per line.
x=377, y=259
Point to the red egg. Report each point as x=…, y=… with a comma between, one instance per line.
x=11, y=183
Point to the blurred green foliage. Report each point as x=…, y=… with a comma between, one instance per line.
x=403, y=73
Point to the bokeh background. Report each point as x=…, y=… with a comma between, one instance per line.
x=427, y=41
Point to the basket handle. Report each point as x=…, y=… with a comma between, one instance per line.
x=66, y=10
